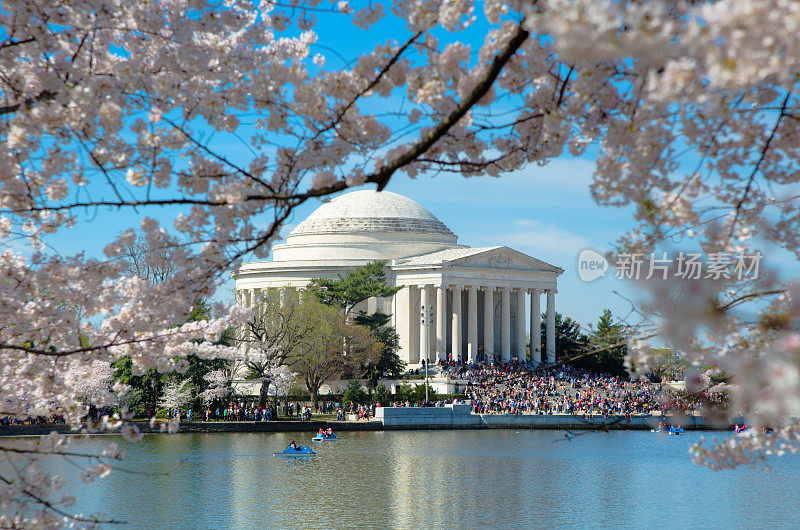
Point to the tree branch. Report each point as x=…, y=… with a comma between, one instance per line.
x=44, y=95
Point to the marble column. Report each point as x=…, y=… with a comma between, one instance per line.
x=521, y=354
x=472, y=324
x=373, y=303
x=488, y=324
x=249, y=297
x=441, y=322
x=244, y=331
x=414, y=325
x=424, y=326
x=257, y=304
x=456, y=333
x=536, y=327
x=505, y=324
x=403, y=314
x=283, y=295
x=550, y=347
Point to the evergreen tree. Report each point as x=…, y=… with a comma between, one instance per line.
x=605, y=340
x=354, y=287
x=354, y=394
x=389, y=362
x=570, y=341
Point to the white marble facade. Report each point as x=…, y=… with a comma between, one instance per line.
x=479, y=301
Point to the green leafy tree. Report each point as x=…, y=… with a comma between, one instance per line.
x=389, y=363
x=413, y=394
x=607, y=340
x=404, y=393
x=146, y=389
x=354, y=394
x=570, y=341
x=381, y=395
x=418, y=393
x=345, y=293
x=319, y=356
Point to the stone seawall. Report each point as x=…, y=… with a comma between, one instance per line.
x=208, y=427
x=411, y=418
x=460, y=417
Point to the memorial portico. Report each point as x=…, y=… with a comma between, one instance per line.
x=474, y=300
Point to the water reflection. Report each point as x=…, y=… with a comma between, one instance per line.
x=497, y=478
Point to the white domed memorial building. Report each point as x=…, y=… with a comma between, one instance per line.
x=476, y=298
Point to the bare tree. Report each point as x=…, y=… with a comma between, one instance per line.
x=267, y=339
x=151, y=257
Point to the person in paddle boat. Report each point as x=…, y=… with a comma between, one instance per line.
x=329, y=432
x=292, y=446
x=321, y=432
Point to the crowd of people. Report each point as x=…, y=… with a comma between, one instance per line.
x=38, y=420
x=250, y=411
x=518, y=389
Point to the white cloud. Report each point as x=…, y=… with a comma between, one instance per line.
x=560, y=178
x=539, y=239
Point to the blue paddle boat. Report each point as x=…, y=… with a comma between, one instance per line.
x=676, y=431
x=324, y=438
x=301, y=450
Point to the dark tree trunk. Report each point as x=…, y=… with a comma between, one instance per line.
x=263, y=395
x=313, y=390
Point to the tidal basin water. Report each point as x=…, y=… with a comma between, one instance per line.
x=439, y=479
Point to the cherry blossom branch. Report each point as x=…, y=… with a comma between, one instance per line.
x=762, y=156
x=44, y=95
x=381, y=178
x=377, y=79
x=53, y=508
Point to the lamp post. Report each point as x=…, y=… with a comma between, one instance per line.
x=426, y=320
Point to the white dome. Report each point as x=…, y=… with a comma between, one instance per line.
x=371, y=211
x=366, y=225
